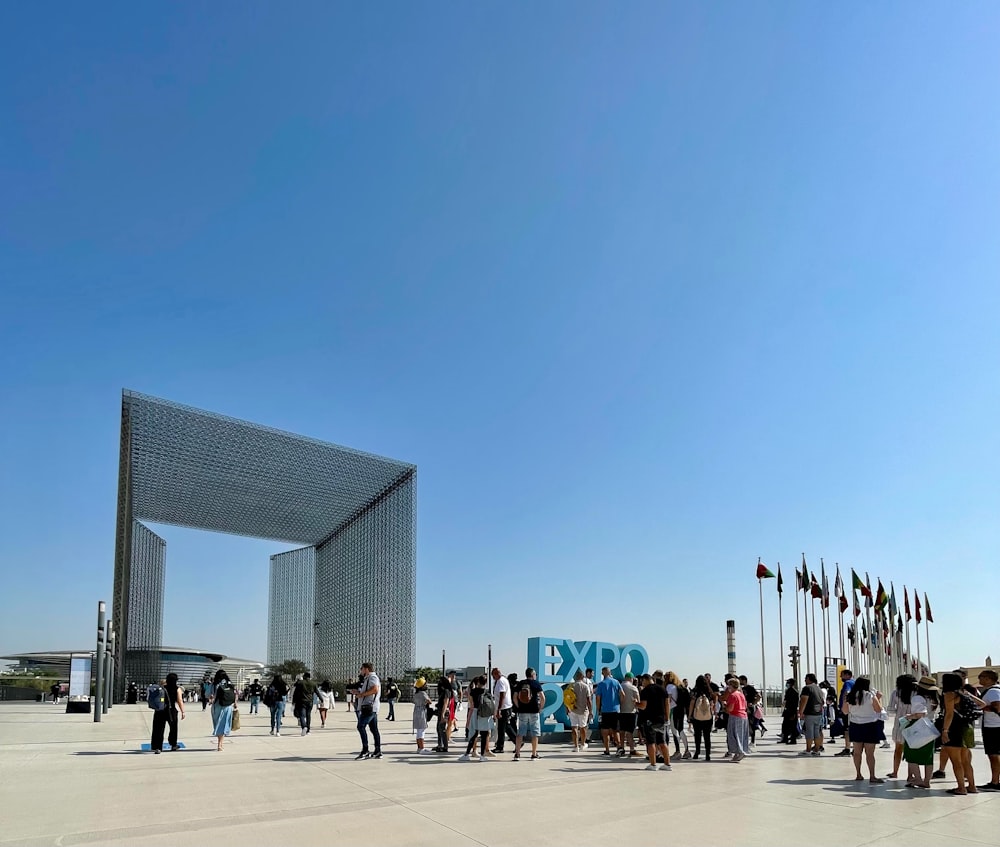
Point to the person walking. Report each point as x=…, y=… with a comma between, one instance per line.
x=391, y=696
x=482, y=711
x=579, y=714
x=274, y=699
x=255, y=691
x=326, y=701
x=701, y=716
x=608, y=697
x=530, y=700
x=368, y=703
x=654, y=709
x=421, y=707
x=864, y=708
x=504, y=704
x=302, y=702
x=167, y=717
x=737, y=725
x=677, y=715
x=223, y=704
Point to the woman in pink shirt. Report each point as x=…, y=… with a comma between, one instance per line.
x=737, y=727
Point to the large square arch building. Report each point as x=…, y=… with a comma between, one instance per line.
x=354, y=512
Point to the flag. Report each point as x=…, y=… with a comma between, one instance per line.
x=781, y=582
x=858, y=585
x=762, y=571
x=927, y=608
x=850, y=633
x=906, y=604
x=916, y=606
x=881, y=598
x=838, y=585
x=814, y=590
x=805, y=574
x=798, y=580
x=857, y=606
x=893, y=608
x=826, y=586
x=899, y=625
x=843, y=604
x=869, y=597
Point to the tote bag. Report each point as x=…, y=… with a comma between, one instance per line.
x=920, y=733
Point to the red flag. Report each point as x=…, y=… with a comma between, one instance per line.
x=843, y=604
x=927, y=608
x=815, y=591
x=916, y=606
x=906, y=604
x=762, y=571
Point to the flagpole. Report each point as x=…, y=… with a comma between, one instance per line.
x=824, y=619
x=840, y=613
x=906, y=604
x=763, y=671
x=916, y=602
x=781, y=638
x=927, y=630
x=815, y=662
x=805, y=616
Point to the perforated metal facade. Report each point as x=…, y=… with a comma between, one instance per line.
x=291, y=606
x=188, y=467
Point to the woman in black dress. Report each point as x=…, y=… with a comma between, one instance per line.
x=790, y=714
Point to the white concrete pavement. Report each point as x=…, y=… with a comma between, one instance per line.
x=66, y=780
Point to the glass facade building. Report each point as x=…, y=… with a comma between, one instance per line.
x=355, y=512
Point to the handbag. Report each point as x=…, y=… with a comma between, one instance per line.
x=366, y=710
x=236, y=718
x=920, y=733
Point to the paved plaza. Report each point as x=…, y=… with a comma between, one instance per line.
x=66, y=780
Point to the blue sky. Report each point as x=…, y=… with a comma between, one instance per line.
x=646, y=292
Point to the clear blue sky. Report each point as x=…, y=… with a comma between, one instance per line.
x=645, y=291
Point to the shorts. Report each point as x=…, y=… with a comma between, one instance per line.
x=866, y=733
x=991, y=740
x=420, y=734
x=609, y=721
x=656, y=733
x=529, y=726
x=813, y=726
x=626, y=721
x=578, y=720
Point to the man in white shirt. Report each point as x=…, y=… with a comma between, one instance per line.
x=368, y=699
x=991, y=726
x=501, y=696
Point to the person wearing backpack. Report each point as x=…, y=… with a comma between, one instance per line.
x=482, y=709
x=223, y=704
x=701, y=716
x=274, y=699
x=530, y=699
x=165, y=700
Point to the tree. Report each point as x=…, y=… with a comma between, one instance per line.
x=289, y=669
x=432, y=675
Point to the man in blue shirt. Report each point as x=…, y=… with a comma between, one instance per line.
x=608, y=694
x=846, y=684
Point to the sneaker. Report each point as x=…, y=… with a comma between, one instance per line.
x=489, y=754
x=817, y=752
x=621, y=751
x=728, y=755
x=517, y=757
x=586, y=746
x=652, y=767
x=364, y=754
x=687, y=755
x=277, y=735
x=465, y=757
x=377, y=754
x=664, y=767
x=303, y=731
x=272, y=732
x=885, y=745
x=535, y=756
x=805, y=752
x=607, y=752
x=844, y=753
x=739, y=757
x=498, y=749
x=422, y=750
x=938, y=775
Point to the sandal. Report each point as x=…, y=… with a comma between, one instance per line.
x=957, y=792
x=876, y=781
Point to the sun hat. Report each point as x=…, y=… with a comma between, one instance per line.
x=420, y=683
x=928, y=682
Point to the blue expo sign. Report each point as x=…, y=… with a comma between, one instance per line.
x=558, y=659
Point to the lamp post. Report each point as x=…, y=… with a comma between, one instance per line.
x=99, y=687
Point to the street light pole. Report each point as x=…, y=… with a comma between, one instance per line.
x=109, y=681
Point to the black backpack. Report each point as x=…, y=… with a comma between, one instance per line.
x=270, y=696
x=966, y=708
x=225, y=694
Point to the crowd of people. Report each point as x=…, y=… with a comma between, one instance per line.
x=648, y=713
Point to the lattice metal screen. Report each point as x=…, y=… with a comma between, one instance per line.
x=366, y=590
x=187, y=467
x=291, y=606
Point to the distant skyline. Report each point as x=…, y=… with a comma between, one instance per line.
x=645, y=293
